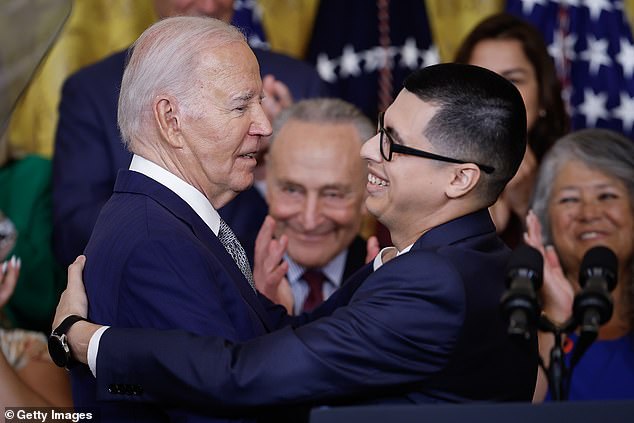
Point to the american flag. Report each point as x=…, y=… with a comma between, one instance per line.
x=591, y=43
x=248, y=17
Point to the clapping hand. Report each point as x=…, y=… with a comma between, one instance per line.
x=269, y=269
x=557, y=292
x=9, y=272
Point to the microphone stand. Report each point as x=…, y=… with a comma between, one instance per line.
x=556, y=372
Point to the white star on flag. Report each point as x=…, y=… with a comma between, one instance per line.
x=596, y=54
x=430, y=56
x=593, y=107
x=528, y=5
x=326, y=68
x=626, y=57
x=563, y=46
x=349, y=62
x=409, y=54
x=596, y=7
x=625, y=111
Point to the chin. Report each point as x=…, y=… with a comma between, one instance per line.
x=306, y=257
x=243, y=184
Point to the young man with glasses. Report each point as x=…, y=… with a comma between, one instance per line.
x=422, y=327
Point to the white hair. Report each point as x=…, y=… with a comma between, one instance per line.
x=165, y=60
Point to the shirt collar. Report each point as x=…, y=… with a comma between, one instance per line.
x=333, y=270
x=378, y=260
x=194, y=198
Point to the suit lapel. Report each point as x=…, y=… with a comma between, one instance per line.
x=355, y=259
x=137, y=183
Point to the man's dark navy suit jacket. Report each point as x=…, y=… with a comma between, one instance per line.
x=425, y=327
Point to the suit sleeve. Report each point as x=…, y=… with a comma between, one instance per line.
x=82, y=171
x=400, y=328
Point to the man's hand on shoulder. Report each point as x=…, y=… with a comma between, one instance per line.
x=74, y=301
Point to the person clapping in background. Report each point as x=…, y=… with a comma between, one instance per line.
x=584, y=197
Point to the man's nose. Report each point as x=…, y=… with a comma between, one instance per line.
x=370, y=149
x=260, y=125
x=311, y=212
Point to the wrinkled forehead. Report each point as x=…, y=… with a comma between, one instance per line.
x=233, y=68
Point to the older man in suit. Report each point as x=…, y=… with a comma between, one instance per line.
x=315, y=187
x=89, y=150
x=424, y=326
x=190, y=111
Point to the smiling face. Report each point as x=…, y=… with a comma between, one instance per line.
x=589, y=208
x=507, y=58
x=407, y=193
x=221, y=141
x=315, y=188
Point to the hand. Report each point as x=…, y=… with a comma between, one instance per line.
x=277, y=97
x=557, y=293
x=372, y=249
x=269, y=268
x=73, y=299
x=9, y=273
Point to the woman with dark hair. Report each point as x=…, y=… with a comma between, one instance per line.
x=584, y=197
x=516, y=50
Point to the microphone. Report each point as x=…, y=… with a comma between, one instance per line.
x=519, y=304
x=593, y=306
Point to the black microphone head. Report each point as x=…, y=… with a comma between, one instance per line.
x=528, y=261
x=599, y=261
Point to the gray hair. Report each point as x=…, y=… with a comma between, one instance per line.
x=603, y=150
x=326, y=110
x=165, y=60
x=600, y=149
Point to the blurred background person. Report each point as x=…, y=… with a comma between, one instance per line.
x=584, y=197
x=25, y=203
x=515, y=49
x=25, y=179
x=88, y=148
x=315, y=190
x=28, y=377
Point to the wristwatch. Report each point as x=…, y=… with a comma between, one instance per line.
x=58, y=347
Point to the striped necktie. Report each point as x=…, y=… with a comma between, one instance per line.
x=235, y=250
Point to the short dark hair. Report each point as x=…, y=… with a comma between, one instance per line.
x=554, y=122
x=481, y=118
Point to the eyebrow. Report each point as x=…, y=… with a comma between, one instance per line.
x=515, y=70
x=244, y=97
x=600, y=186
x=393, y=133
x=339, y=187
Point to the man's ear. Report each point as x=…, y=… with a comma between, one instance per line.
x=168, y=119
x=464, y=179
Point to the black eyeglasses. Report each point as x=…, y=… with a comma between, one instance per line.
x=388, y=147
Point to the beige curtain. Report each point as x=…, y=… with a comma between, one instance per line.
x=94, y=29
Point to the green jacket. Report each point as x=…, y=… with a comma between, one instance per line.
x=25, y=197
